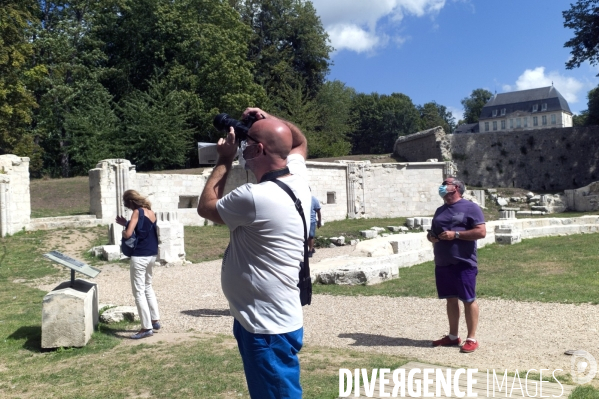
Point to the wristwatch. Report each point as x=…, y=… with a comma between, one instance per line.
x=457, y=235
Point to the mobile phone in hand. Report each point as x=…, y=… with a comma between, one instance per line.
x=432, y=234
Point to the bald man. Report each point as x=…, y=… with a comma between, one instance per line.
x=260, y=270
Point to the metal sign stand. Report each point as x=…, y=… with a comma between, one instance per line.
x=73, y=264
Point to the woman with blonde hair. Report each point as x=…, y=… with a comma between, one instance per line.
x=143, y=223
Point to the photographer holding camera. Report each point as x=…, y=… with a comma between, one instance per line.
x=259, y=274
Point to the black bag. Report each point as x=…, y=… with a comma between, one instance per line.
x=128, y=245
x=305, y=281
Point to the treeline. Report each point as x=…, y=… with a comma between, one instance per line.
x=85, y=80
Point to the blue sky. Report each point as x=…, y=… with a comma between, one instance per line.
x=441, y=50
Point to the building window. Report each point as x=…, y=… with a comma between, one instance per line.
x=486, y=126
x=535, y=121
x=535, y=107
x=503, y=124
x=511, y=123
x=494, y=113
x=553, y=119
x=525, y=121
x=494, y=125
x=544, y=107
x=188, y=201
x=518, y=122
x=331, y=197
x=544, y=120
x=503, y=112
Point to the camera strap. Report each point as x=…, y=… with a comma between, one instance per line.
x=275, y=174
x=305, y=282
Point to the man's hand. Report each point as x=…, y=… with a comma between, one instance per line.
x=227, y=148
x=431, y=238
x=256, y=111
x=447, y=235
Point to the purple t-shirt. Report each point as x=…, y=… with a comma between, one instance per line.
x=463, y=215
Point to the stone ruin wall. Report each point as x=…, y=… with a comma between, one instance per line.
x=15, y=199
x=544, y=160
x=375, y=190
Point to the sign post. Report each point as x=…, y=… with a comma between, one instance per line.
x=73, y=264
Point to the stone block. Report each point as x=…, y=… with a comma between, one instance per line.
x=120, y=313
x=501, y=201
x=508, y=239
x=378, y=229
x=70, y=314
x=338, y=240
x=111, y=253
x=369, y=233
x=410, y=223
x=507, y=215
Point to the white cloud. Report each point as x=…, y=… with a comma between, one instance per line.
x=457, y=113
x=534, y=78
x=352, y=24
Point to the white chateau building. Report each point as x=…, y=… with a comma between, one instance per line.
x=530, y=109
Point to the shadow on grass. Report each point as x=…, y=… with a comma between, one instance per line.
x=32, y=336
x=207, y=312
x=381, y=340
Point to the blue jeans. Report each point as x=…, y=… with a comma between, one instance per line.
x=270, y=361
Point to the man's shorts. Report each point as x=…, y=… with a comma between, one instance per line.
x=312, y=229
x=456, y=281
x=270, y=362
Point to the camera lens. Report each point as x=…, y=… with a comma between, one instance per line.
x=222, y=122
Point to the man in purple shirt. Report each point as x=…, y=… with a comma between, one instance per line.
x=456, y=227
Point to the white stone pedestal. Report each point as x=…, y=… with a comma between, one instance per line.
x=70, y=314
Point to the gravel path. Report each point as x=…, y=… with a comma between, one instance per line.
x=513, y=335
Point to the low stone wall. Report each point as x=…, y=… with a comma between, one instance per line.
x=584, y=199
x=381, y=258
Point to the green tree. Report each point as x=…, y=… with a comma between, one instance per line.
x=379, y=120
x=433, y=115
x=196, y=46
x=593, y=107
x=474, y=104
x=331, y=133
x=583, y=18
x=580, y=120
x=288, y=44
x=16, y=100
x=64, y=43
x=93, y=128
x=155, y=133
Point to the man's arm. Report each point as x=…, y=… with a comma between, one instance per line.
x=319, y=219
x=299, y=144
x=479, y=231
x=215, y=186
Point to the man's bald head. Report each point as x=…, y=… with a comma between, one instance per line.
x=274, y=135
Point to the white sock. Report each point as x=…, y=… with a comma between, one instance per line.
x=453, y=337
x=470, y=339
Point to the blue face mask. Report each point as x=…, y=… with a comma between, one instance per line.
x=442, y=191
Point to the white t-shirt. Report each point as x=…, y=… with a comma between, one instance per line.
x=260, y=269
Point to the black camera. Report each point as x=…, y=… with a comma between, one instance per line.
x=222, y=122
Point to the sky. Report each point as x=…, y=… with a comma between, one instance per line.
x=442, y=50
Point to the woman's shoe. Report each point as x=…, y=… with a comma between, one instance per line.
x=142, y=334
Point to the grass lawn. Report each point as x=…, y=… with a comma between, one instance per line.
x=59, y=197
x=205, y=366
x=549, y=269
x=208, y=366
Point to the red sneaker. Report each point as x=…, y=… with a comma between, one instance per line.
x=469, y=346
x=446, y=341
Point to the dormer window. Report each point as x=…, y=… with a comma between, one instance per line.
x=503, y=112
x=494, y=112
x=535, y=107
x=544, y=107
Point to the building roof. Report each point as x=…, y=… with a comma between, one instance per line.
x=524, y=100
x=466, y=128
